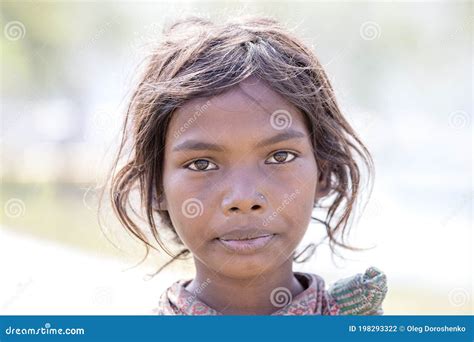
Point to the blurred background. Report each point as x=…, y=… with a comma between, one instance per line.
x=403, y=76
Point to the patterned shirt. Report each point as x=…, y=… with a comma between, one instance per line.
x=361, y=294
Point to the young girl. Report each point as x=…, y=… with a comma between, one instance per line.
x=236, y=137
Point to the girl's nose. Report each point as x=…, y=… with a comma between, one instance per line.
x=244, y=203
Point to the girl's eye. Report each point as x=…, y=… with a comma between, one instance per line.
x=201, y=165
x=281, y=157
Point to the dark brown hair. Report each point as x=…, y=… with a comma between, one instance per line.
x=197, y=58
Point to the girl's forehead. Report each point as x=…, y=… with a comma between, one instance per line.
x=251, y=108
x=246, y=95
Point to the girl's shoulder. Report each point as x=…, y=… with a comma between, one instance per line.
x=361, y=294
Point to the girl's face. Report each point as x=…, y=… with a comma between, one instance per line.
x=240, y=179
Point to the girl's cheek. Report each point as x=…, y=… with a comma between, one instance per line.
x=186, y=199
x=301, y=176
x=300, y=191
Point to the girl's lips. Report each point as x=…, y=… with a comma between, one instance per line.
x=247, y=246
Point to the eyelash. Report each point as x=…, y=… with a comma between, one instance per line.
x=295, y=155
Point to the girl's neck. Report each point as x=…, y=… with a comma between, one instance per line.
x=252, y=296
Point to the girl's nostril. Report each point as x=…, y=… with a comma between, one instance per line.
x=256, y=206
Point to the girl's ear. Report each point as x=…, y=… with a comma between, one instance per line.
x=324, y=185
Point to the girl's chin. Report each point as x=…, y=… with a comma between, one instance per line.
x=246, y=265
x=246, y=271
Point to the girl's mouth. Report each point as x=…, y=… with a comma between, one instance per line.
x=247, y=245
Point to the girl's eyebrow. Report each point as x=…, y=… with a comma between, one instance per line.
x=196, y=145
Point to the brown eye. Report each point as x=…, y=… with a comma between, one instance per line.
x=200, y=165
x=281, y=157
